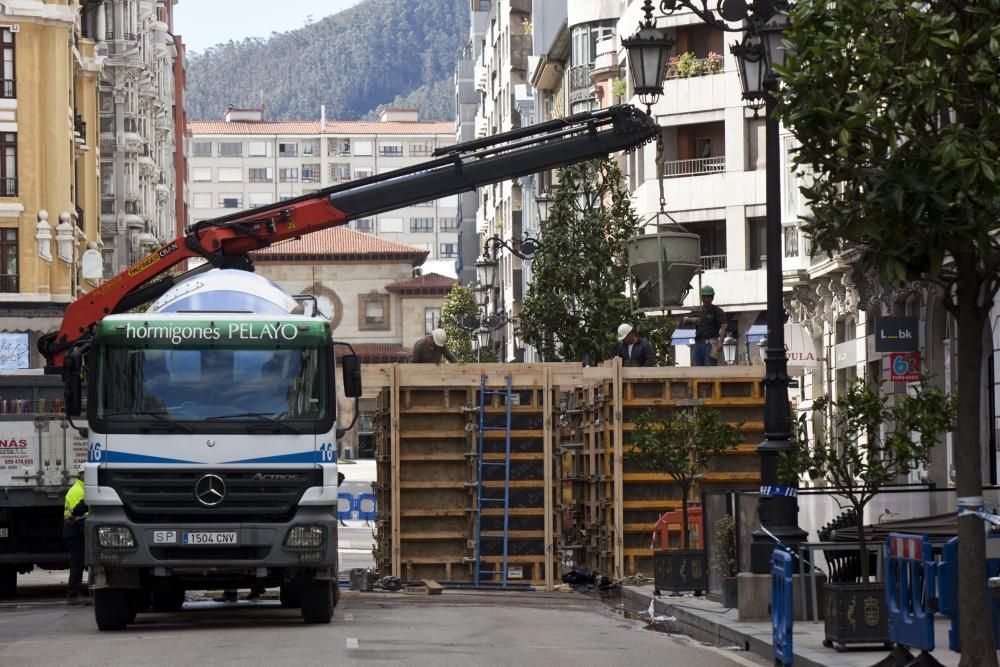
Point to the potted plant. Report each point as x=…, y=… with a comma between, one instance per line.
x=724, y=559
x=871, y=440
x=681, y=444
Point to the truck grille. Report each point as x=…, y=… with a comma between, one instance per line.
x=168, y=496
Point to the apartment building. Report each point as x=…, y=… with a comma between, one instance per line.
x=245, y=161
x=142, y=159
x=49, y=195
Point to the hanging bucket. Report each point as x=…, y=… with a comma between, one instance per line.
x=663, y=265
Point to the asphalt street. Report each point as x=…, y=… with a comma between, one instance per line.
x=455, y=628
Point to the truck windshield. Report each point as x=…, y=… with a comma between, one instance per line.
x=224, y=387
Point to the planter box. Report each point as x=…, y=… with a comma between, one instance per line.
x=855, y=614
x=678, y=571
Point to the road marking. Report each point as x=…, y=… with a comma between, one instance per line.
x=352, y=642
x=348, y=617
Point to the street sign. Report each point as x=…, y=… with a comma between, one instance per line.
x=904, y=366
x=896, y=334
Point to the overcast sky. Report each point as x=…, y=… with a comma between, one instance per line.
x=205, y=23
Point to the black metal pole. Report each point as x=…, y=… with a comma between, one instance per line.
x=778, y=513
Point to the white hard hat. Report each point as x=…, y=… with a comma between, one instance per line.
x=440, y=337
x=624, y=330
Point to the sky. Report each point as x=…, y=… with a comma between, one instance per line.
x=205, y=23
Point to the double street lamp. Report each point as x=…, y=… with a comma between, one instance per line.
x=762, y=23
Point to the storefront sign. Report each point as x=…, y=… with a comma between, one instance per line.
x=799, y=347
x=904, y=366
x=845, y=354
x=896, y=334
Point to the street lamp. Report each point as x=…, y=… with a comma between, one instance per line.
x=729, y=350
x=761, y=48
x=544, y=201
x=647, y=52
x=525, y=247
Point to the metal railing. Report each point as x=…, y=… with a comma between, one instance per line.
x=8, y=187
x=579, y=77
x=713, y=262
x=702, y=165
x=8, y=89
x=9, y=283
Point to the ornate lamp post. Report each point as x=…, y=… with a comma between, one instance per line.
x=763, y=23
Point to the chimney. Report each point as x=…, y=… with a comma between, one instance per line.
x=322, y=116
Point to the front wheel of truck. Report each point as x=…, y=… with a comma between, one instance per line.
x=111, y=608
x=317, y=602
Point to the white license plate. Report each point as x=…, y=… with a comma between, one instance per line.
x=3, y=532
x=211, y=538
x=164, y=537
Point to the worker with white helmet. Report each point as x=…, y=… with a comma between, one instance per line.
x=430, y=349
x=633, y=350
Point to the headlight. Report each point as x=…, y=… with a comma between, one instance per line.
x=305, y=537
x=115, y=537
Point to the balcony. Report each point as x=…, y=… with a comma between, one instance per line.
x=8, y=283
x=8, y=187
x=687, y=65
x=580, y=83
x=713, y=262
x=8, y=89
x=703, y=165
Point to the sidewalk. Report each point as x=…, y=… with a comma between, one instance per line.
x=710, y=621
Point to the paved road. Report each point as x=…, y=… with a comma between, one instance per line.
x=456, y=628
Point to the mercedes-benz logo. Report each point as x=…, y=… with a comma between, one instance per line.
x=209, y=490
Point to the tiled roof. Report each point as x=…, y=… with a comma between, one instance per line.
x=430, y=283
x=311, y=127
x=340, y=243
x=382, y=353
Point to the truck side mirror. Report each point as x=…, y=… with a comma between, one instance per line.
x=351, y=368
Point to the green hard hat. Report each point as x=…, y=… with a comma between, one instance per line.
x=707, y=291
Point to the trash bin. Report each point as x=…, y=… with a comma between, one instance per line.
x=361, y=579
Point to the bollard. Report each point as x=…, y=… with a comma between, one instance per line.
x=345, y=505
x=782, y=610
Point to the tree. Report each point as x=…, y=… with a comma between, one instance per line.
x=869, y=443
x=458, y=311
x=577, y=296
x=682, y=444
x=895, y=105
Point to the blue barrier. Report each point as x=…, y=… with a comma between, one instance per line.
x=947, y=574
x=345, y=506
x=910, y=583
x=364, y=505
x=782, y=610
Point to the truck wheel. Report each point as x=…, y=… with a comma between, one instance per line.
x=317, y=602
x=168, y=600
x=111, y=608
x=290, y=596
x=8, y=581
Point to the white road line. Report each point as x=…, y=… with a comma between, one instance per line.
x=352, y=642
x=348, y=617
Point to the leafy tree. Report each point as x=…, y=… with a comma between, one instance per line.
x=577, y=298
x=895, y=105
x=458, y=311
x=869, y=444
x=682, y=444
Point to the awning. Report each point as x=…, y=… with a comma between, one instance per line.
x=758, y=329
x=683, y=336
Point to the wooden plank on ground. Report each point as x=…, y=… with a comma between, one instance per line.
x=433, y=587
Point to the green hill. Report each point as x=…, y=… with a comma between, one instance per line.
x=379, y=52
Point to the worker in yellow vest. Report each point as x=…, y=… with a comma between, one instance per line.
x=74, y=518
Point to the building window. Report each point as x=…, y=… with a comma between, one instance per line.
x=421, y=150
x=8, y=260
x=230, y=175
x=448, y=224
x=373, y=312
x=340, y=172
x=201, y=200
x=339, y=147
x=363, y=172
x=261, y=174
x=310, y=173
x=202, y=149
x=390, y=225
x=390, y=149
x=421, y=224
x=424, y=204
x=8, y=89
x=288, y=175
x=758, y=243
x=260, y=199
x=231, y=201
x=791, y=234
x=310, y=148
x=365, y=225
x=228, y=149
x=713, y=243
x=259, y=149
x=432, y=317
x=8, y=164
x=288, y=150
x=448, y=250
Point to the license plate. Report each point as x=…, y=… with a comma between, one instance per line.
x=4, y=532
x=213, y=538
x=164, y=537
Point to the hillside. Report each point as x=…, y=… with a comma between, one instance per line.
x=379, y=52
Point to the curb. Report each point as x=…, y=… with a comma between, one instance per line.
x=706, y=626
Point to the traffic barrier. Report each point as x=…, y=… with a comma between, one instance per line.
x=947, y=575
x=782, y=610
x=910, y=582
x=364, y=505
x=345, y=505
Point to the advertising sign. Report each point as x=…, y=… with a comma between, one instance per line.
x=904, y=366
x=896, y=334
x=13, y=351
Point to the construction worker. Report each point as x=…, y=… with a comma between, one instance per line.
x=430, y=349
x=709, y=330
x=633, y=350
x=74, y=518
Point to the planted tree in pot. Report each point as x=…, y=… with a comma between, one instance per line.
x=681, y=444
x=872, y=439
x=724, y=558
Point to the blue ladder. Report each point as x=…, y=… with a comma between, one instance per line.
x=483, y=394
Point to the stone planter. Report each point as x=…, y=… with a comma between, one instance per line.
x=855, y=614
x=677, y=571
x=663, y=265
